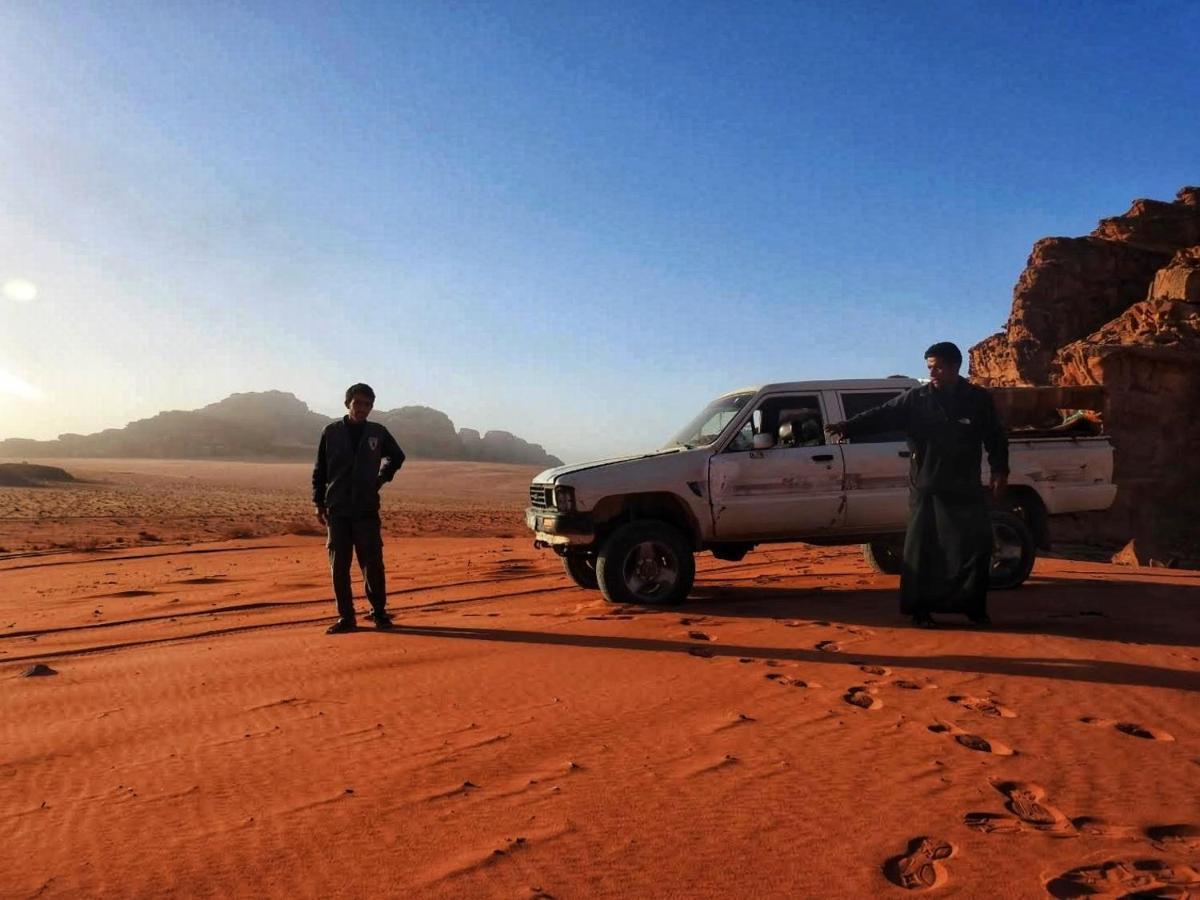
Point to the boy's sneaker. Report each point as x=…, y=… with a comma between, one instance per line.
x=382, y=620
x=341, y=626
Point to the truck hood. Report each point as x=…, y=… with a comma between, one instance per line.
x=551, y=475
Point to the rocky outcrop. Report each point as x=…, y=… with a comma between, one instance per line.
x=501, y=445
x=273, y=425
x=1121, y=308
x=422, y=431
x=1072, y=286
x=1157, y=225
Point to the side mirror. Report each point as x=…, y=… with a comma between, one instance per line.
x=764, y=441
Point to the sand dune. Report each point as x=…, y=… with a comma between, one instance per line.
x=781, y=735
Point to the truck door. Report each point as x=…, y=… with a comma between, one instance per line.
x=876, y=469
x=789, y=489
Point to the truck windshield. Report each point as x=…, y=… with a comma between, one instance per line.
x=707, y=427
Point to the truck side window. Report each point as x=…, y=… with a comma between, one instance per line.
x=793, y=420
x=743, y=440
x=854, y=403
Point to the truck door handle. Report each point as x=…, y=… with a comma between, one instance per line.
x=904, y=454
x=824, y=457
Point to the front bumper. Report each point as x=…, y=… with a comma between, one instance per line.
x=554, y=527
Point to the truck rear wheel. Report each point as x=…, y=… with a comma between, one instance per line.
x=1013, y=551
x=581, y=569
x=885, y=556
x=645, y=562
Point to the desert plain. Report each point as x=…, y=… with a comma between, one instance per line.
x=783, y=734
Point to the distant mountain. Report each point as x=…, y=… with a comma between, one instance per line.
x=276, y=425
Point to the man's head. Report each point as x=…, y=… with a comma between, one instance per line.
x=360, y=400
x=943, y=360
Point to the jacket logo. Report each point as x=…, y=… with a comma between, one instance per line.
x=373, y=443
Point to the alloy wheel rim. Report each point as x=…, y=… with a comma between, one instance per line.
x=650, y=569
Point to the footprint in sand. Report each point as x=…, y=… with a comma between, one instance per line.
x=1130, y=728
x=1097, y=827
x=1001, y=823
x=1170, y=838
x=829, y=647
x=1027, y=801
x=972, y=741
x=790, y=682
x=699, y=636
x=702, y=652
x=906, y=685
x=985, y=705
x=921, y=867
x=992, y=823
x=1142, y=731
x=1031, y=810
x=1127, y=878
x=862, y=697
x=876, y=670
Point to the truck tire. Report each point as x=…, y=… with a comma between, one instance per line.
x=1013, y=551
x=645, y=562
x=884, y=556
x=581, y=569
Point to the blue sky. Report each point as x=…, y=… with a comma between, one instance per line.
x=576, y=222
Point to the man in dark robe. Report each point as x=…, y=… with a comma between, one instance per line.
x=948, y=544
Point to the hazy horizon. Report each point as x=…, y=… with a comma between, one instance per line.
x=574, y=224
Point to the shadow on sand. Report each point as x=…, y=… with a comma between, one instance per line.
x=1124, y=612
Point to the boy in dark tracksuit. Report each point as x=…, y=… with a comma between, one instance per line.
x=948, y=544
x=354, y=459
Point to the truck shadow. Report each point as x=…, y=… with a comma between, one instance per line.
x=1126, y=612
x=1095, y=671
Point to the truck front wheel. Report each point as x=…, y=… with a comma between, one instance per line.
x=581, y=569
x=645, y=562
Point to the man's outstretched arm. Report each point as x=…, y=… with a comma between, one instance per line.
x=890, y=416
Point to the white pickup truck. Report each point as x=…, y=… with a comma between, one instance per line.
x=755, y=467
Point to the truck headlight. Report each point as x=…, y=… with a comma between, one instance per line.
x=564, y=498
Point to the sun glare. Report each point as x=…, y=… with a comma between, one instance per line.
x=21, y=290
x=13, y=386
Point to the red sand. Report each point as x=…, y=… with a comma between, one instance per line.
x=784, y=734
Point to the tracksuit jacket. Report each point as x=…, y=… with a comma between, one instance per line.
x=346, y=479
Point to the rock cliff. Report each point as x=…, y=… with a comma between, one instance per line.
x=274, y=425
x=1121, y=308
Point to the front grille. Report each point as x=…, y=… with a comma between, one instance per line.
x=541, y=496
